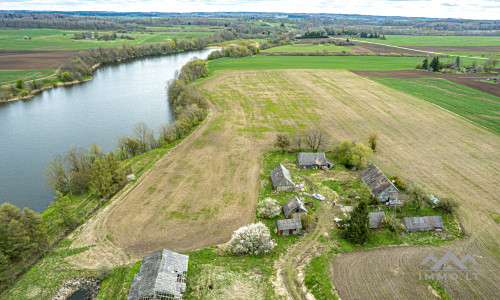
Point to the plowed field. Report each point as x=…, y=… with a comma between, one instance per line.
x=197, y=195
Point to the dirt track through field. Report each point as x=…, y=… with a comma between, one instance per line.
x=197, y=195
x=29, y=60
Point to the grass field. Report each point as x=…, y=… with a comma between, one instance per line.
x=474, y=54
x=11, y=76
x=450, y=41
x=479, y=107
x=315, y=62
x=54, y=39
x=308, y=48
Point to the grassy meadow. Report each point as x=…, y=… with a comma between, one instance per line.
x=436, y=41
x=55, y=39
x=315, y=62
x=11, y=76
x=479, y=107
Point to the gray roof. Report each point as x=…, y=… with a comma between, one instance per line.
x=294, y=205
x=311, y=159
x=163, y=271
x=376, y=218
x=280, y=176
x=423, y=223
x=288, y=224
x=375, y=179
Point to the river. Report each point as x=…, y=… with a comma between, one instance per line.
x=120, y=95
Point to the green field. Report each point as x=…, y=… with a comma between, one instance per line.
x=10, y=76
x=474, y=54
x=479, y=107
x=54, y=39
x=308, y=48
x=315, y=62
x=444, y=41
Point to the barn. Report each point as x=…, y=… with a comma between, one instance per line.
x=426, y=223
x=289, y=226
x=162, y=276
x=379, y=185
x=294, y=208
x=282, y=181
x=309, y=160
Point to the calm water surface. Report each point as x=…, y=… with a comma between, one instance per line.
x=33, y=132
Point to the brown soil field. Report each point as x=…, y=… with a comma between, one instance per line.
x=363, y=48
x=470, y=80
x=28, y=60
x=200, y=193
x=493, y=49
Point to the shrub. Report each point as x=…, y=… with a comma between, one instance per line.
x=251, y=239
x=394, y=224
x=103, y=269
x=305, y=219
x=269, y=208
x=373, y=140
x=19, y=83
x=24, y=93
x=399, y=183
x=374, y=200
x=447, y=205
x=65, y=76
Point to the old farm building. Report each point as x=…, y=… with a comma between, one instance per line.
x=423, y=223
x=379, y=185
x=294, y=208
x=376, y=219
x=289, y=226
x=282, y=181
x=307, y=160
x=162, y=276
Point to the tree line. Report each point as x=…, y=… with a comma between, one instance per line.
x=83, y=63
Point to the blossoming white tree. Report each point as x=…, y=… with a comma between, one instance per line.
x=269, y=208
x=251, y=239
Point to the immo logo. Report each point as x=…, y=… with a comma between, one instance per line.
x=448, y=267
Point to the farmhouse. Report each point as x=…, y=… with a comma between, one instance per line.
x=294, y=208
x=306, y=160
x=162, y=276
x=282, y=181
x=376, y=219
x=379, y=185
x=289, y=226
x=423, y=223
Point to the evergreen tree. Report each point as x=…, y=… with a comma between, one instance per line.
x=100, y=179
x=357, y=229
x=425, y=64
x=17, y=239
x=457, y=62
x=435, y=64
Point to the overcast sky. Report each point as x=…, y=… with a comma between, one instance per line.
x=467, y=9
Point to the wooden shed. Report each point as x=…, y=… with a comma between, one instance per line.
x=376, y=219
x=294, y=208
x=289, y=226
x=380, y=186
x=162, y=276
x=282, y=181
x=310, y=160
x=426, y=223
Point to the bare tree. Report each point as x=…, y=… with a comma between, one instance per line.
x=143, y=136
x=314, y=139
